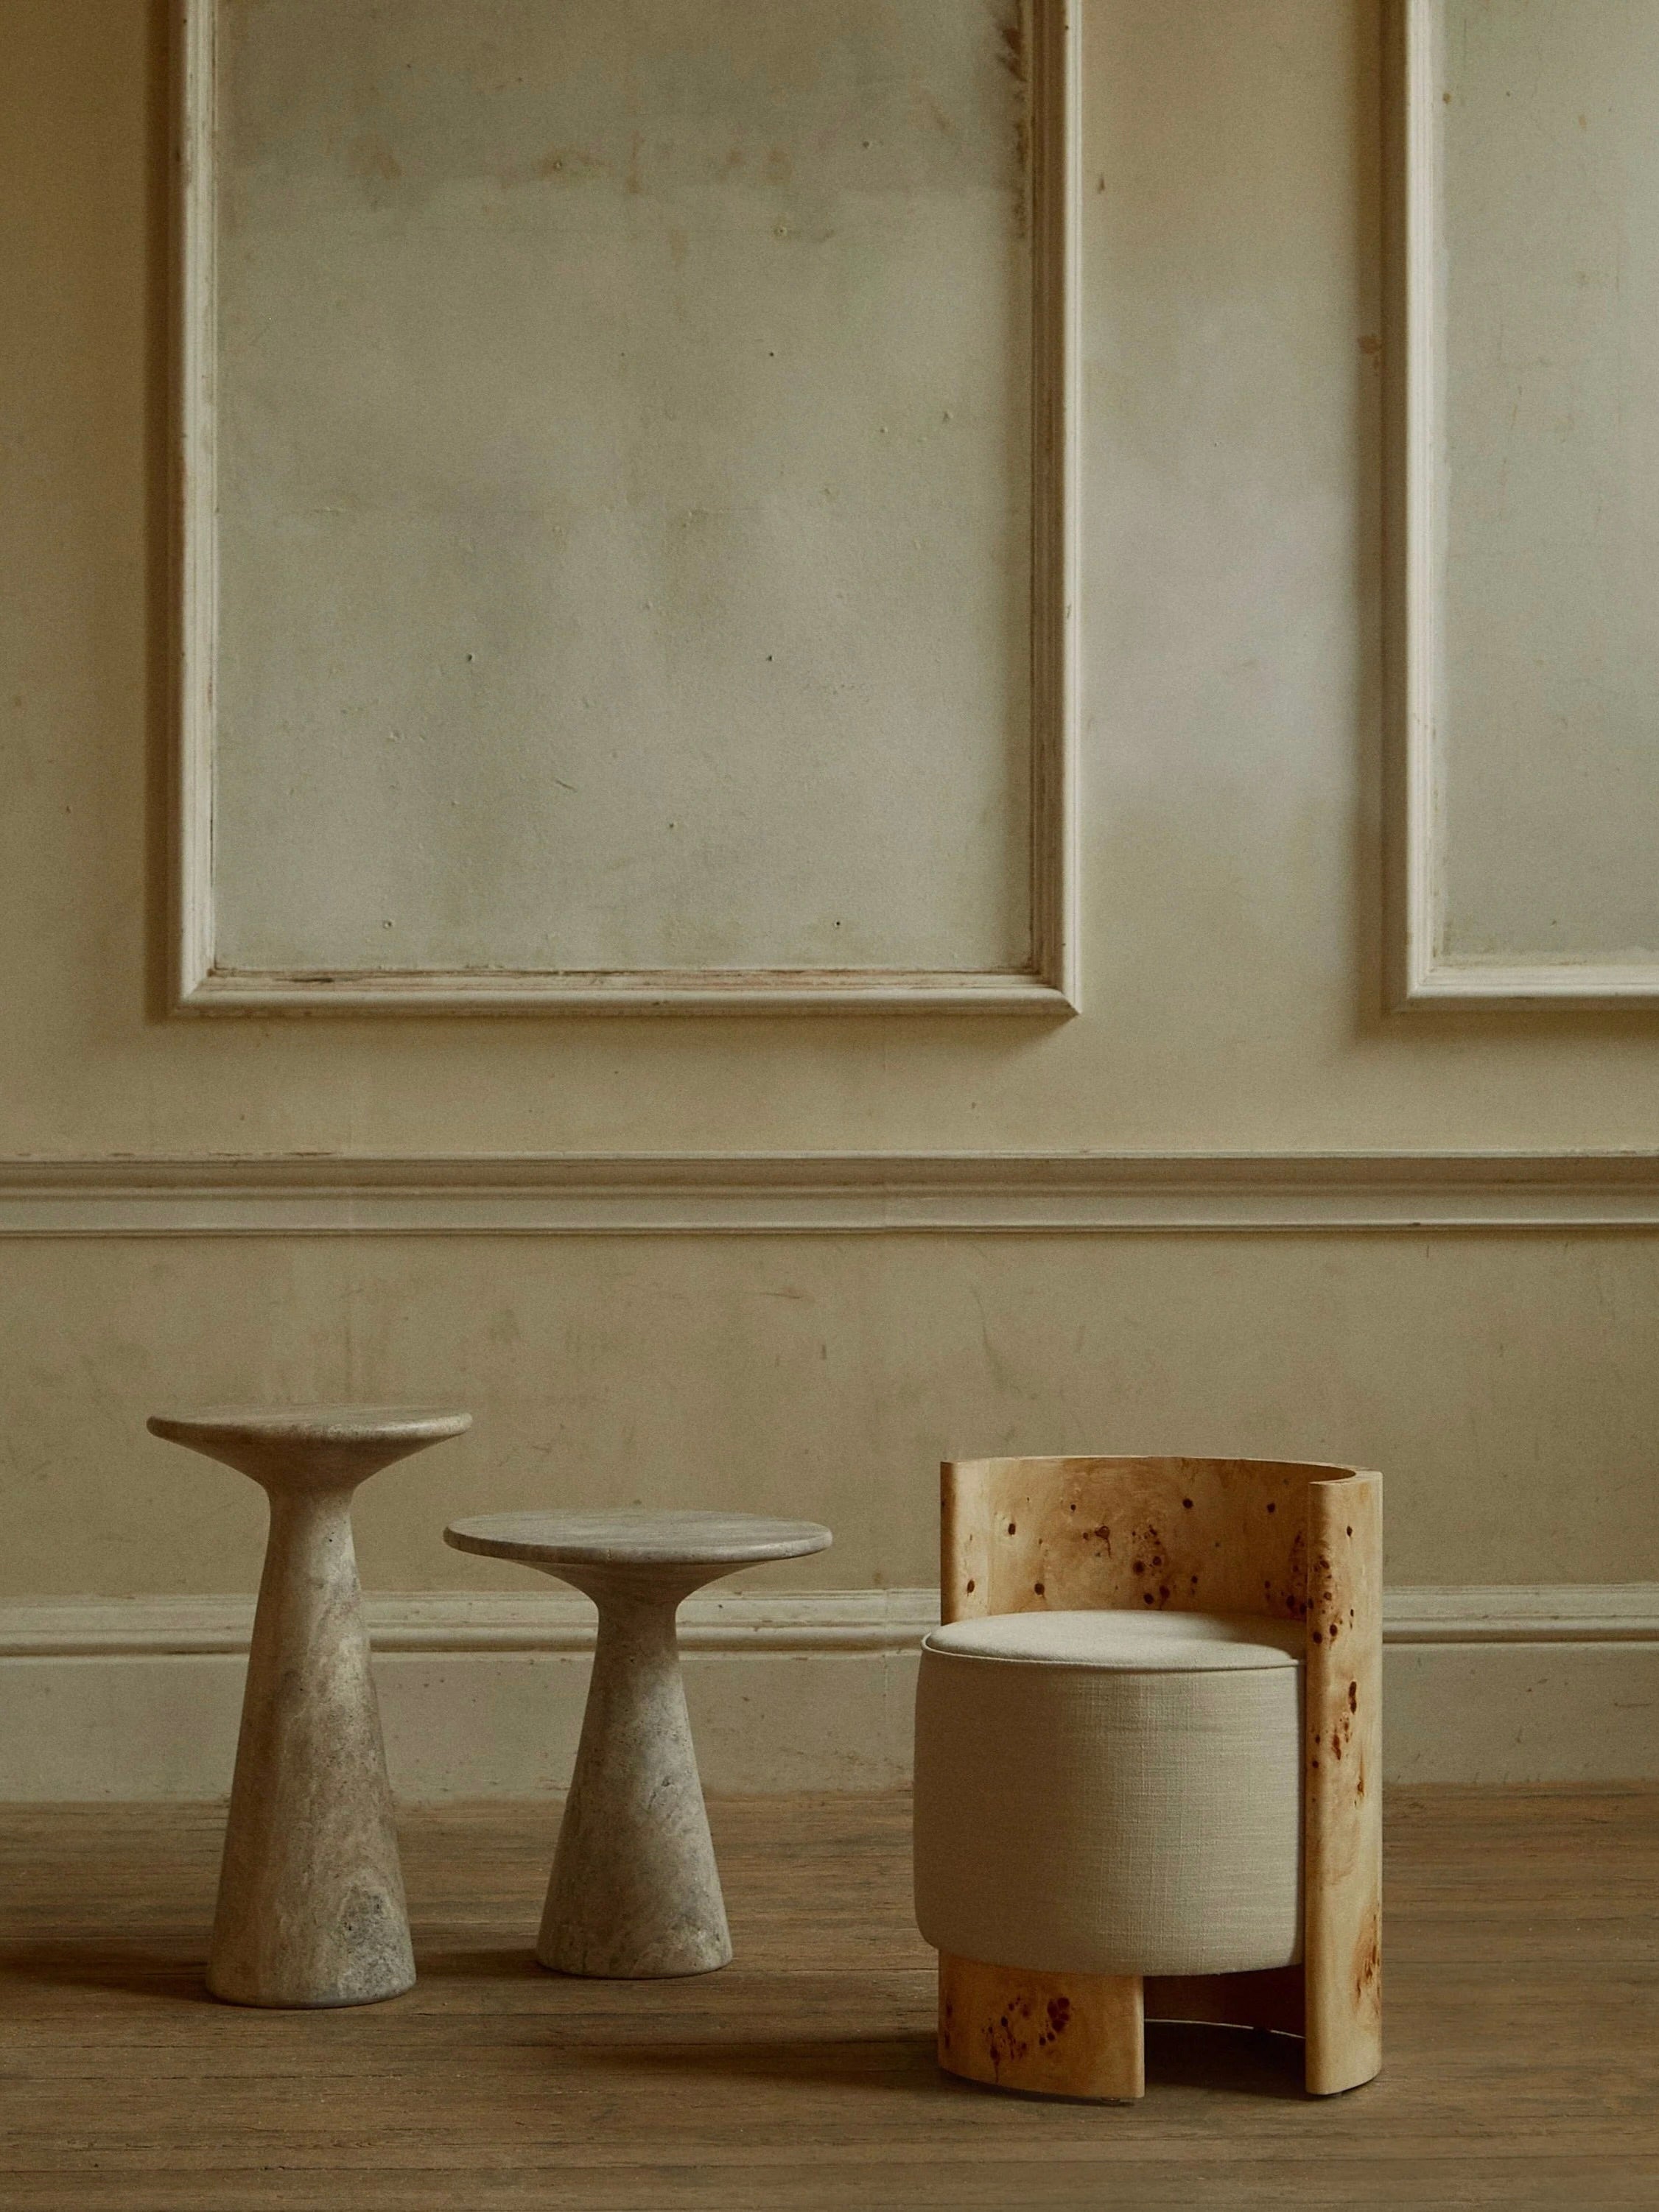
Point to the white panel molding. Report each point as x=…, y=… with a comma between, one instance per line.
x=828, y=1194
x=1423, y=973
x=1049, y=984
x=482, y=1693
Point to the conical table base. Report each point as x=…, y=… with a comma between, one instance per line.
x=635, y=1890
x=311, y=1906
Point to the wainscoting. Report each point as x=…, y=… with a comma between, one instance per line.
x=481, y=1273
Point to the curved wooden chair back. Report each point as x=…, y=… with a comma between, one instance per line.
x=1291, y=1538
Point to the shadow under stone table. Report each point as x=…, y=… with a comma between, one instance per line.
x=635, y=1890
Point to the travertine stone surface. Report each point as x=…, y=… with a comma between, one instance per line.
x=705, y=1545
x=635, y=1890
x=311, y=1897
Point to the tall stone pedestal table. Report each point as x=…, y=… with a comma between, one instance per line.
x=311, y=1894
x=634, y=1889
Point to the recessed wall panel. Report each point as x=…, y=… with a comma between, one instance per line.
x=1533, y=332
x=623, y=441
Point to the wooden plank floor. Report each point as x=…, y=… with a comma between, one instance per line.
x=1523, y=2038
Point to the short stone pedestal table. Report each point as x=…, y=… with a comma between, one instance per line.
x=311, y=1905
x=634, y=1889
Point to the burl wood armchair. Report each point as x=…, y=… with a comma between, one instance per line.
x=1148, y=1740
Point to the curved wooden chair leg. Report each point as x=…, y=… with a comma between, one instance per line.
x=1053, y=2035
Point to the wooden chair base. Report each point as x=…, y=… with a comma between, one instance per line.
x=1084, y=2035
x=1055, y=2035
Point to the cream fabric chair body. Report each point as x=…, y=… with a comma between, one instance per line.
x=1232, y=1732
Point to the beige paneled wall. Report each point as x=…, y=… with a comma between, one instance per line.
x=1231, y=525
x=1232, y=965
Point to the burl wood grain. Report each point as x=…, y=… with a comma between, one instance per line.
x=1342, y=1866
x=1161, y=1535
x=1068, y=2035
x=1289, y=1540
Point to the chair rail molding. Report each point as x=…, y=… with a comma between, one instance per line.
x=1423, y=973
x=1046, y=983
x=835, y=1194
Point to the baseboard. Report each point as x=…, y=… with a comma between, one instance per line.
x=481, y=1694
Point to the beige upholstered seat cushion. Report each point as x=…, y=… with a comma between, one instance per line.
x=1111, y=1793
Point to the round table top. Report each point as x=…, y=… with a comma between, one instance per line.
x=637, y=1539
x=318, y=1425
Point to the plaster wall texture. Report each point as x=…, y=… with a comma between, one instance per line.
x=1504, y=1384
x=1232, y=966
x=623, y=488
x=1552, y=482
